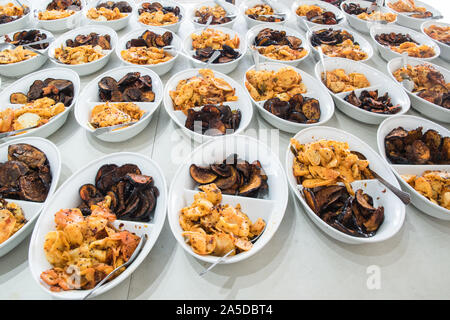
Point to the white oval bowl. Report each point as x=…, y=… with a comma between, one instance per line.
x=90, y=67
x=409, y=123
x=301, y=20
x=116, y=25
x=360, y=24
x=220, y=67
x=314, y=90
x=231, y=10
x=23, y=85
x=409, y=22
x=387, y=54
x=363, y=43
x=253, y=32
x=277, y=6
x=89, y=98
x=243, y=103
x=57, y=25
x=32, y=209
x=18, y=24
x=425, y=107
x=25, y=67
x=67, y=197
x=182, y=190
x=445, y=49
x=376, y=78
x=165, y=3
x=160, y=68
x=394, y=209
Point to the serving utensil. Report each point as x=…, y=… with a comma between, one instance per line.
x=11, y=133
x=269, y=3
x=99, y=131
x=322, y=61
x=231, y=16
x=255, y=56
x=407, y=83
x=227, y=254
x=9, y=45
x=126, y=264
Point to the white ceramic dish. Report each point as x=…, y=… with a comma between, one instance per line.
x=231, y=10
x=363, y=43
x=314, y=90
x=116, y=25
x=271, y=208
x=89, y=99
x=23, y=85
x=19, y=23
x=165, y=3
x=410, y=123
x=220, y=67
x=425, y=107
x=90, y=67
x=58, y=25
x=387, y=54
x=301, y=20
x=25, y=67
x=31, y=209
x=253, y=32
x=377, y=79
x=278, y=8
x=445, y=48
x=67, y=197
x=160, y=68
x=360, y=24
x=243, y=103
x=403, y=18
x=394, y=209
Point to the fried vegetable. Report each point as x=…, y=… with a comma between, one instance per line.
x=202, y=175
x=18, y=98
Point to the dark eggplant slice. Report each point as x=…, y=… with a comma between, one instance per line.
x=33, y=188
x=31, y=156
x=103, y=179
x=222, y=170
x=228, y=182
x=253, y=185
x=10, y=172
x=202, y=175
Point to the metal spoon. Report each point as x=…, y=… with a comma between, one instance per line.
x=20, y=4
x=11, y=133
x=322, y=61
x=407, y=83
x=255, y=56
x=126, y=264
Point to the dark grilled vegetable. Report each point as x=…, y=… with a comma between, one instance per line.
x=298, y=109
x=130, y=88
x=213, y=120
x=371, y=101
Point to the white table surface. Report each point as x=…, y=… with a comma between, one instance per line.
x=300, y=262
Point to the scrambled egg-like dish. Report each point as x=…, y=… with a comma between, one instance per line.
x=15, y=55
x=202, y=89
x=84, y=250
x=11, y=219
x=158, y=18
x=215, y=39
x=78, y=55
x=326, y=162
x=144, y=55
x=339, y=81
x=284, y=52
x=105, y=14
x=439, y=33
x=413, y=50
x=347, y=49
x=406, y=6
x=110, y=114
x=378, y=16
x=268, y=84
x=213, y=228
x=304, y=9
x=36, y=113
x=55, y=14
x=434, y=185
x=11, y=10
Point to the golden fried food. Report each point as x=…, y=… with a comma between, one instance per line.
x=414, y=50
x=434, y=185
x=144, y=55
x=84, y=250
x=346, y=49
x=200, y=90
x=268, y=84
x=212, y=228
x=35, y=113
x=378, y=16
x=425, y=78
x=15, y=55
x=110, y=114
x=326, y=162
x=11, y=219
x=105, y=14
x=215, y=39
x=11, y=10
x=339, y=81
x=55, y=14
x=439, y=33
x=78, y=55
x=216, y=11
x=406, y=6
x=304, y=9
x=260, y=9
x=284, y=52
x=158, y=18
